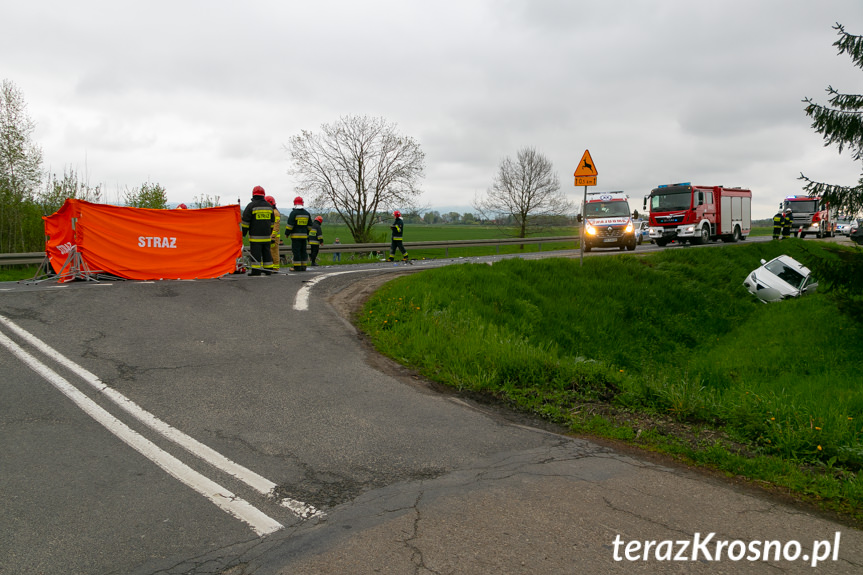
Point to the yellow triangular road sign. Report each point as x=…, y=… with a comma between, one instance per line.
x=586, y=167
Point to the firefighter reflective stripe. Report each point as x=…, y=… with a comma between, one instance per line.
x=302, y=220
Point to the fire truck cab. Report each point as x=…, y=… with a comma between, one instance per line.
x=810, y=215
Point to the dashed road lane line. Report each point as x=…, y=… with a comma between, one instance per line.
x=221, y=497
x=257, y=482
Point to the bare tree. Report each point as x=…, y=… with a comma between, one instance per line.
x=57, y=190
x=357, y=166
x=525, y=189
x=205, y=201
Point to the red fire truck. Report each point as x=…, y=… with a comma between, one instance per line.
x=698, y=214
x=810, y=216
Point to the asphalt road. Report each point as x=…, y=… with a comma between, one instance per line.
x=242, y=425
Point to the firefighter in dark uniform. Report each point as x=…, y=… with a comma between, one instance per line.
x=787, y=223
x=778, y=222
x=316, y=239
x=257, y=221
x=398, y=229
x=298, y=230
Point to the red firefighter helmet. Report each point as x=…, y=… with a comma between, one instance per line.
x=258, y=191
x=319, y=219
x=271, y=200
x=397, y=214
x=182, y=207
x=298, y=201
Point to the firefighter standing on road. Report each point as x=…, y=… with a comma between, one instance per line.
x=298, y=228
x=398, y=229
x=258, y=221
x=787, y=222
x=276, y=237
x=778, y=221
x=316, y=238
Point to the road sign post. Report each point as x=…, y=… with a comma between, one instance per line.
x=585, y=175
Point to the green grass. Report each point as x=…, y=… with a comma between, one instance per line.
x=17, y=273
x=667, y=350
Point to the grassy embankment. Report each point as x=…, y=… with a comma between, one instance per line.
x=666, y=351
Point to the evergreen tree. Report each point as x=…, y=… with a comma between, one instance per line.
x=841, y=124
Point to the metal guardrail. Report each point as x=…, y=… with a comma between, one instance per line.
x=28, y=258
x=34, y=258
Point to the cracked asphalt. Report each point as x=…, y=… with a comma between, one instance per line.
x=412, y=480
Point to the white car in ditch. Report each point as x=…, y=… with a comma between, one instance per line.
x=780, y=278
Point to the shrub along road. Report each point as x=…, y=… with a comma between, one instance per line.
x=358, y=465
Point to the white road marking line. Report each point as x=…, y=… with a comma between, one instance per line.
x=221, y=497
x=258, y=483
x=301, y=301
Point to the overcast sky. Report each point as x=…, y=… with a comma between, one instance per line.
x=202, y=96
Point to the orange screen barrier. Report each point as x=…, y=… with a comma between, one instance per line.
x=145, y=244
